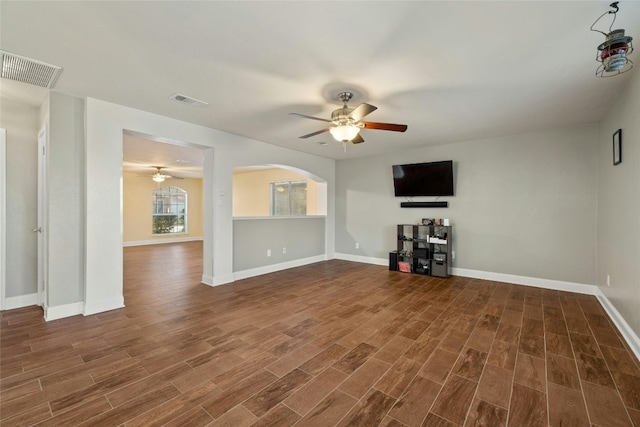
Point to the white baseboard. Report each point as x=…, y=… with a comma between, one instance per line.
x=245, y=274
x=20, y=301
x=557, y=285
x=103, y=306
x=362, y=259
x=61, y=311
x=218, y=280
x=629, y=335
x=207, y=280
x=162, y=241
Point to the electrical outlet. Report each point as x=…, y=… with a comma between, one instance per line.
x=357, y=245
x=268, y=252
x=284, y=250
x=608, y=280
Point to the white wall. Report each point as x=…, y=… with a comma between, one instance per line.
x=619, y=206
x=105, y=123
x=21, y=123
x=65, y=210
x=524, y=205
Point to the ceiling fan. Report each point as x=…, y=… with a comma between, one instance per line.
x=347, y=122
x=158, y=176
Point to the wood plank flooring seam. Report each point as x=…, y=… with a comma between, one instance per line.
x=512, y=351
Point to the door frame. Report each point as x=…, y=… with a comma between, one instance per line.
x=3, y=216
x=207, y=184
x=42, y=226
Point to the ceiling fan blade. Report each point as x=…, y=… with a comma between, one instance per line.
x=358, y=139
x=385, y=126
x=314, y=133
x=362, y=110
x=304, y=116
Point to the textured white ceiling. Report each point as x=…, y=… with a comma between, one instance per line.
x=142, y=154
x=452, y=70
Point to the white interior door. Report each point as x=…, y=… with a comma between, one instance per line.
x=3, y=215
x=41, y=227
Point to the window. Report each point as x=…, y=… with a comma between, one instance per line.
x=169, y=210
x=289, y=198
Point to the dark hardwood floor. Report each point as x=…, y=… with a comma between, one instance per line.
x=333, y=343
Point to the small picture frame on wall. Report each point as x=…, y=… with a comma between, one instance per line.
x=617, y=147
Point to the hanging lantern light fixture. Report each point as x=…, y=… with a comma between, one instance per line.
x=612, y=54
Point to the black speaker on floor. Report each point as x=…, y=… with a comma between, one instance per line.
x=393, y=261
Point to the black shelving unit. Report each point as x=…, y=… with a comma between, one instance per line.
x=424, y=249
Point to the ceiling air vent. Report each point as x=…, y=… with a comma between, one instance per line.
x=26, y=70
x=187, y=100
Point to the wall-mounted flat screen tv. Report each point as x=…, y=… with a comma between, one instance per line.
x=423, y=179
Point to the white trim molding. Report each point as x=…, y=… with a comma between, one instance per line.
x=628, y=334
x=217, y=280
x=557, y=285
x=245, y=274
x=162, y=241
x=3, y=216
x=362, y=259
x=20, y=301
x=103, y=306
x=62, y=311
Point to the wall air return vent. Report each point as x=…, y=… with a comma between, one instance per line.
x=187, y=100
x=26, y=70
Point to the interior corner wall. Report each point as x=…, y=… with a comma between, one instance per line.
x=619, y=206
x=21, y=123
x=65, y=201
x=524, y=205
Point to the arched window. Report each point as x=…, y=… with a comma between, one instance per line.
x=169, y=210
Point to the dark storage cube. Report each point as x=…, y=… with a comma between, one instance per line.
x=438, y=257
x=439, y=268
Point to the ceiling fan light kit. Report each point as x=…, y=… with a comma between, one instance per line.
x=344, y=133
x=346, y=122
x=612, y=54
x=158, y=176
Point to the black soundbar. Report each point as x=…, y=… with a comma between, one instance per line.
x=424, y=204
